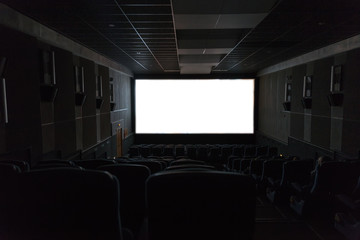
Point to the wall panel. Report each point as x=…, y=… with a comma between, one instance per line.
x=64, y=104
x=89, y=131
x=351, y=105
x=327, y=128
x=23, y=99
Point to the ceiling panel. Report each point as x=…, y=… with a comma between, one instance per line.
x=197, y=68
x=290, y=30
x=222, y=6
x=116, y=24
x=197, y=51
x=208, y=59
x=231, y=36
x=239, y=21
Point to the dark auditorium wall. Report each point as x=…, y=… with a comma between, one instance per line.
x=296, y=115
x=60, y=128
x=23, y=129
x=323, y=129
x=64, y=110
x=121, y=113
x=68, y=127
x=88, y=116
x=271, y=93
x=105, y=107
x=351, y=110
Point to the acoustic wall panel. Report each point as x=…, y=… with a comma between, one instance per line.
x=89, y=107
x=351, y=104
x=297, y=110
x=89, y=132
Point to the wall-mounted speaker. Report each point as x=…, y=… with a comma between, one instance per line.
x=112, y=106
x=335, y=99
x=306, y=102
x=287, y=106
x=99, y=102
x=48, y=93
x=79, y=99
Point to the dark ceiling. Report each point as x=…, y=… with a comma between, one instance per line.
x=198, y=36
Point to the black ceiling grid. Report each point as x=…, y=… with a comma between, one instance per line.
x=102, y=26
x=293, y=29
x=329, y=34
x=198, y=36
x=166, y=53
x=66, y=17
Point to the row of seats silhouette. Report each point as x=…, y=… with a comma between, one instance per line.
x=347, y=216
x=216, y=153
x=61, y=203
x=307, y=185
x=200, y=205
x=330, y=179
x=112, y=199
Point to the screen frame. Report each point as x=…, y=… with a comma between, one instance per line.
x=234, y=138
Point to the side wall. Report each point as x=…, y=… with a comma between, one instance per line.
x=59, y=128
x=323, y=129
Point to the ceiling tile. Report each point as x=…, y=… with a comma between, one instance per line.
x=195, y=68
x=222, y=6
x=187, y=21
x=203, y=28
x=203, y=51
x=208, y=59
x=235, y=21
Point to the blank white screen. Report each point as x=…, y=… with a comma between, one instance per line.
x=195, y=106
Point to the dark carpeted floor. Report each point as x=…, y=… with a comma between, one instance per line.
x=281, y=223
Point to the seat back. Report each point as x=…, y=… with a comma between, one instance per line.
x=8, y=170
x=169, y=151
x=153, y=166
x=356, y=191
x=298, y=171
x=186, y=161
x=202, y=153
x=214, y=155
x=93, y=163
x=250, y=151
x=245, y=165
x=24, y=166
x=235, y=163
x=63, y=204
x=134, y=151
x=262, y=151
x=56, y=161
x=132, y=178
x=164, y=163
x=238, y=151
x=332, y=178
x=179, y=150
x=157, y=150
x=145, y=151
x=55, y=165
x=226, y=151
x=200, y=205
x=354, y=179
x=256, y=166
x=272, y=169
x=273, y=151
x=190, y=166
x=191, y=152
